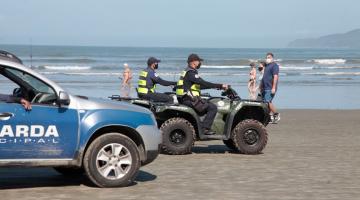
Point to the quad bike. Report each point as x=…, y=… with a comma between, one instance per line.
x=239, y=123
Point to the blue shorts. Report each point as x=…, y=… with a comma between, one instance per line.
x=267, y=96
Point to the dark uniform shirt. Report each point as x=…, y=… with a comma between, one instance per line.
x=153, y=79
x=192, y=77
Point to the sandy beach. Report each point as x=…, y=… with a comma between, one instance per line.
x=311, y=154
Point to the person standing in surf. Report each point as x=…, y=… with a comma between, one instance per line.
x=252, y=82
x=261, y=69
x=126, y=81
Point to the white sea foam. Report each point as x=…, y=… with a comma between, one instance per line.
x=67, y=68
x=334, y=73
x=295, y=68
x=258, y=60
x=328, y=61
x=83, y=73
x=337, y=67
x=135, y=74
x=224, y=67
x=317, y=67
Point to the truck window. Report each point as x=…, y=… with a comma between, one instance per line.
x=7, y=86
x=40, y=92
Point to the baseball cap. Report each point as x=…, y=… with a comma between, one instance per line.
x=194, y=57
x=152, y=60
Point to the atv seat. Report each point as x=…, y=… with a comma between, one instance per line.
x=171, y=94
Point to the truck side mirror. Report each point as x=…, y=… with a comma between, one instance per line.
x=63, y=99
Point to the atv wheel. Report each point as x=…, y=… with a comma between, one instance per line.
x=249, y=136
x=70, y=171
x=230, y=144
x=112, y=160
x=178, y=136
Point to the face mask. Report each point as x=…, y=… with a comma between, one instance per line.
x=156, y=66
x=268, y=60
x=198, y=67
x=261, y=68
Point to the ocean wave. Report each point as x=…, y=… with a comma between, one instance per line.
x=79, y=67
x=165, y=74
x=83, y=73
x=295, y=68
x=334, y=73
x=169, y=74
x=60, y=60
x=317, y=67
x=328, y=61
x=65, y=68
x=337, y=67
x=259, y=60
x=224, y=67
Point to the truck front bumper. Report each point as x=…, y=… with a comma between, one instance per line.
x=152, y=139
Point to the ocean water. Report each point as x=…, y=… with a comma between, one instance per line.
x=309, y=78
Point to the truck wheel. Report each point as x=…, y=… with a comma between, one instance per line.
x=230, y=144
x=178, y=136
x=249, y=136
x=70, y=171
x=112, y=160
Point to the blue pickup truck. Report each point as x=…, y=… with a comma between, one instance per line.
x=106, y=140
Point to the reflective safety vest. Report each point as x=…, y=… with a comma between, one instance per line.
x=181, y=91
x=143, y=86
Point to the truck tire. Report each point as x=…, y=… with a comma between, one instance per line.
x=178, y=136
x=112, y=160
x=230, y=144
x=250, y=136
x=70, y=171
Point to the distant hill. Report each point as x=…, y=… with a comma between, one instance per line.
x=344, y=40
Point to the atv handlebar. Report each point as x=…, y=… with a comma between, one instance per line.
x=231, y=94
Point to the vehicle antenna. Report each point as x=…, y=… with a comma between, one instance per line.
x=31, y=53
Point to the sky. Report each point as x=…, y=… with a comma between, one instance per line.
x=174, y=23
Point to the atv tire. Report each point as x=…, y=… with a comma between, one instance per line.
x=178, y=136
x=112, y=160
x=249, y=136
x=230, y=144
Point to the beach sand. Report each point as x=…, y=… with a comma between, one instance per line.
x=311, y=154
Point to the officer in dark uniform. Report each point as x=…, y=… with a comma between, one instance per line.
x=13, y=99
x=190, y=85
x=148, y=80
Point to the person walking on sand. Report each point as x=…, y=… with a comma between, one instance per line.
x=126, y=81
x=269, y=85
x=252, y=82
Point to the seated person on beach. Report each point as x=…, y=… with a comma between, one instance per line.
x=148, y=80
x=252, y=82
